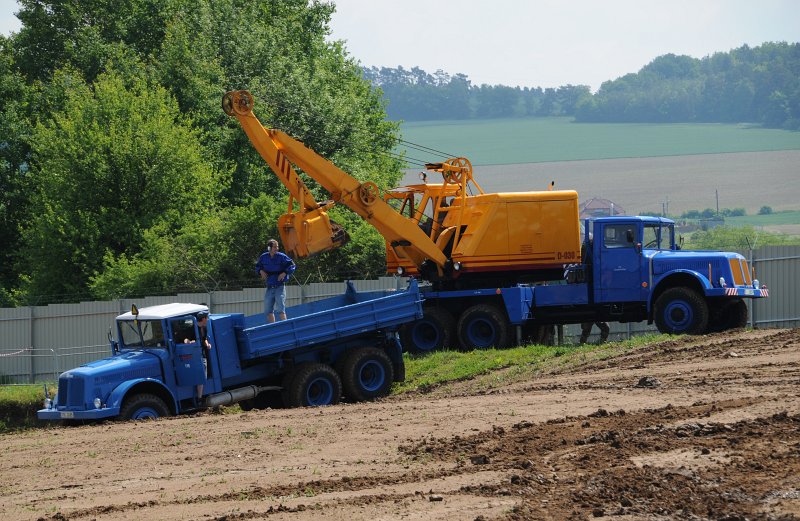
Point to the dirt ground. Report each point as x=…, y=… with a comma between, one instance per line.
x=696, y=428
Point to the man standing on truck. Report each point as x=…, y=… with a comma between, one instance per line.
x=274, y=268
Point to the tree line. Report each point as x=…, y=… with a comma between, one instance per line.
x=748, y=84
x=416, y=95
x=120, y=175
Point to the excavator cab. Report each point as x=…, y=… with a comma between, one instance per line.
x=427, y=205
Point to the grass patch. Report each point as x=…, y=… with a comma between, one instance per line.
x=18, y=405
x=490, y=368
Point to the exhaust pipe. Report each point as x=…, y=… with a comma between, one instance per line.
x=237, y=395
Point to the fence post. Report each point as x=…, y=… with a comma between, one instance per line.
x=752, y=262
x=31, y=358
x=56, y=365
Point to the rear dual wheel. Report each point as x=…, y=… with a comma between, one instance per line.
x=434, y=331
x=367, y=373
x=482, y=326
x=312, y=385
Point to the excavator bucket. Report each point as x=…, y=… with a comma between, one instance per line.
x=304, y=234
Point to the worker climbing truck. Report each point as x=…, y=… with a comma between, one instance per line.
x=346, y=344
x=502, y=266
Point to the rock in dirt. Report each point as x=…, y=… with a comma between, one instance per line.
x=648, y=381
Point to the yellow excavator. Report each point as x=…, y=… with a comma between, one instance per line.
x=450, y=233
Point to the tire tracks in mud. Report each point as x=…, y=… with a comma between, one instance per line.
x=671, y=461
x=732, y=456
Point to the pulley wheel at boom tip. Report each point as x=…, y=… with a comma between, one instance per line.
x=367, y=193
x=237, y=102
x=463, y=168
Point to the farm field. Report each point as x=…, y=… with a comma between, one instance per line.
x=686, y=428
x=537, y=140
x=643, y=168
x=746, y=180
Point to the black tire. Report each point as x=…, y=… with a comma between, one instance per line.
x=434, y=331
x=728, y=315
x=367, y=373
x=681, y=311
x=738, y=315
x=143, y=407
x=482, y=326
x=265, y=400
x=312, y=385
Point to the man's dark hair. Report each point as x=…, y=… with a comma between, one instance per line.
x=271, y=242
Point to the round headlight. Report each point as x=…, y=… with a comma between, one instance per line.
x=756, y=283
x=400, y=270
x=722, y=282
x=457, y=266
x=97, y=403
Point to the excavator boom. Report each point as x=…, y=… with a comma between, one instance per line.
x=303, y=232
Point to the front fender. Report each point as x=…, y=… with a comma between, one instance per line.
x=119, y=393
x=680, y=277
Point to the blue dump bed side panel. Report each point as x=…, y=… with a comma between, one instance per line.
x=330, y=319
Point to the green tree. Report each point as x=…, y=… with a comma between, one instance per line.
x=82, y=231
x=15, y=129
x=116, y=164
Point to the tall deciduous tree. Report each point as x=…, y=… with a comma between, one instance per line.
x=109, y=160
x=15, y=127
x=116, y=162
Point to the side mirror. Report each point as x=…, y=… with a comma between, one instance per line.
x=114, y=345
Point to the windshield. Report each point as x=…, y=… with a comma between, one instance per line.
x=657, y=237
x=152, y=334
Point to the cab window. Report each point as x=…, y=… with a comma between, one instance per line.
x=183, y=330
x=619, y=236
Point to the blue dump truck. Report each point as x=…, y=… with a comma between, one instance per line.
x=631, y=270
x=345, y=345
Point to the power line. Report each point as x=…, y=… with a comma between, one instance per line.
x=423, y=148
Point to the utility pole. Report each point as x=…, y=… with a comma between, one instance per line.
x=717, y=194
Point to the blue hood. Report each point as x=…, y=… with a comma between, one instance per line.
x=721, y=264
x=80, y=386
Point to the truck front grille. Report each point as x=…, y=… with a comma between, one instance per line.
x=70, y=391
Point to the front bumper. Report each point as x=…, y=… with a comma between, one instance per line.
x=738, y=292
x=72, y=414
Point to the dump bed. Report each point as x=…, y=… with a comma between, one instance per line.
x=350, y=315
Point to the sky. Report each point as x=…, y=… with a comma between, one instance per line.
x=543, y=43
x=549, y=43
